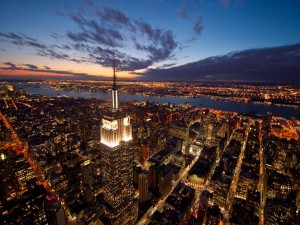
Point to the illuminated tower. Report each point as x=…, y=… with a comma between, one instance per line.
x=117, y=163
x=114, y=92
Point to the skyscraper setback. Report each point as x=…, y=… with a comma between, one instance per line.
x=117, y=162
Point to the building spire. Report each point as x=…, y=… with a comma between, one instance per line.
x=114, y=93
x=114, y=74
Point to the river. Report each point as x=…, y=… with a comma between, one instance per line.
x=242, y=107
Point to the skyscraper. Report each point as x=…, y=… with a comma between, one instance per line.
x=143, y=186
x=117, y=162
x=54, y=212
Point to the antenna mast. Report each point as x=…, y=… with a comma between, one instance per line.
x=114, y=68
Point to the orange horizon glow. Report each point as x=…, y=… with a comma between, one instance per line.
x=24, y=73
x=31, y=73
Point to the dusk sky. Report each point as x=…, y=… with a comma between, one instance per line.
x=238, y=40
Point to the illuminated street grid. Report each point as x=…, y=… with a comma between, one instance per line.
x=252, y=161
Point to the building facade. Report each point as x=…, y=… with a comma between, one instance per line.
x=143, y=186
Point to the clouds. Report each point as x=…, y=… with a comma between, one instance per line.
x=95, y=35
x=94, y=32
x=22, y=40
x=115, y=30
x=183, y=14
x=114, y=16
x=198, y=27
x=10, y=65
x=35, y=72
x=98, y=33
x=30, y=66
x=280, y=64
x=162, y=42
x=197, y=23
x=52, y=51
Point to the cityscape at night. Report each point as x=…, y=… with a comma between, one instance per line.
x=157, y=112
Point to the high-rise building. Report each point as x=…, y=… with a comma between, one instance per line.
x=54, y=211
x=182, y=132
x=143, y=186
x=87, y=179
x=165, y=176
x=21, y=199
x=23, y=172
x=117, y=162
x=144, y=151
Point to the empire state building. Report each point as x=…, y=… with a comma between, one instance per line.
x=117, y=163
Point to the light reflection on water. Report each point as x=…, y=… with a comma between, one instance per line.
x=243, y=107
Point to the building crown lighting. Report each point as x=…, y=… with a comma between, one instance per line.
x=115, y=127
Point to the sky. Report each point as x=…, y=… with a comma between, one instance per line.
x=213, y=40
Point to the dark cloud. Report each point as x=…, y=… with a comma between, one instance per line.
x=22, y=40
x=163, y=42
x=104, y=33
x=183, y=14
x=114, y=16
x=11, y=65
x=30, y=66
x=57, y=73
x=56, y=36
x=123, y=61
x=198, y=27
x=94, y=32
x=157, y=43
x=78, y=37
x=78, y=18
x=11, y=36
x=129, y=62
x=145, y=28
x=265, y=64
x=53, y=54
x=35, y=44
x=167, y=65
x=100, y=32
x=66, y=47
x=155, y=54
x=58, y=12
x=49, y=51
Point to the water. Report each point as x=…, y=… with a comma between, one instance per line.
x=242, y=107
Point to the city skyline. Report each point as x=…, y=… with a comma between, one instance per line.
x=157, y=40
x=71, y=160
x=149, y=112
x=68, y=160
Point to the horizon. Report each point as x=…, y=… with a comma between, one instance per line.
x=109, y=79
